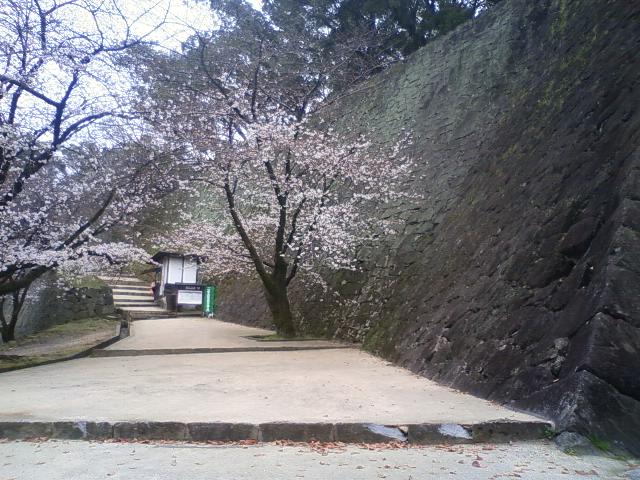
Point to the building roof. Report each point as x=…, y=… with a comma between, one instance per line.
x=161, y=254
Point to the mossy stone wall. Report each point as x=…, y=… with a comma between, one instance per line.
x=517, y=278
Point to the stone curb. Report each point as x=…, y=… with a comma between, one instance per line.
x=498, y=431
x=187, y=351
x=132, y=317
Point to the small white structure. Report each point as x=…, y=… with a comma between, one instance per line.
x=177, y=269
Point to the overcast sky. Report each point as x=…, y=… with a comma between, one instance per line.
x=182, y=18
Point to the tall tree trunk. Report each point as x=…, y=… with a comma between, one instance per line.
x=8, y=328
x=278, y=301
x=4, y=326
x=8, y=332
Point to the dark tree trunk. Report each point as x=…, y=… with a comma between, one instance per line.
x=278, y=301
x=8, y=328
x=9, y=332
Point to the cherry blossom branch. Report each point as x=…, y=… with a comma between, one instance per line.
x=312, y=226
x=237, y=222
x=8, y=286
x=24, y=86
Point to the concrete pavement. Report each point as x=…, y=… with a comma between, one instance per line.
x=190, y=333
x=65, y=460
x=330, y=393
x=306, y=386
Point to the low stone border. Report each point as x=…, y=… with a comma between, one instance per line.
x=187, y=351
x=133, y=316
x=264, y=338
x=498, y=431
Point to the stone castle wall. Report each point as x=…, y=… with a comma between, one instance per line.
x=50, y=303
x=517, y=277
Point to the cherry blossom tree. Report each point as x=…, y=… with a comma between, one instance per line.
x=63, y=109
x=66, y=220
x=286, y=201
x=277, y=190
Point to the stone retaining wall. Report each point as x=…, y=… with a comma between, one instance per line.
x=518, y=276
x=51, y=303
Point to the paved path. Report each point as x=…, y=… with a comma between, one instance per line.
x=335, y=385
x=65, y=460
x=306, y=386
x=189, y=333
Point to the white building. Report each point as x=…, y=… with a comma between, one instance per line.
x=178, y=275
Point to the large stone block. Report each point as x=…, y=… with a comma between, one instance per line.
x=610, y=349
x=222, y=432
x=297, y=432
x=25, y=430
x=150, y=431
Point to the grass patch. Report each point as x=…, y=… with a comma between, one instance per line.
x=599, y=443
x=60, y=332
x=57, y=342
x=11, y=362
x=605, y=447
x=88, y=325
x=548, y=433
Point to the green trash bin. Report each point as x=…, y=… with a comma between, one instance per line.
x=208, y=300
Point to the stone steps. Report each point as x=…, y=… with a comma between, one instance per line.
x=150, y=309
x=123, y=300
x=134, y=298
x=120, y=278
x=126, y=299
x=134, y=293
x=132, y=288
x=131, y=303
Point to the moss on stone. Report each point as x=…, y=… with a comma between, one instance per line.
x=88, y=281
